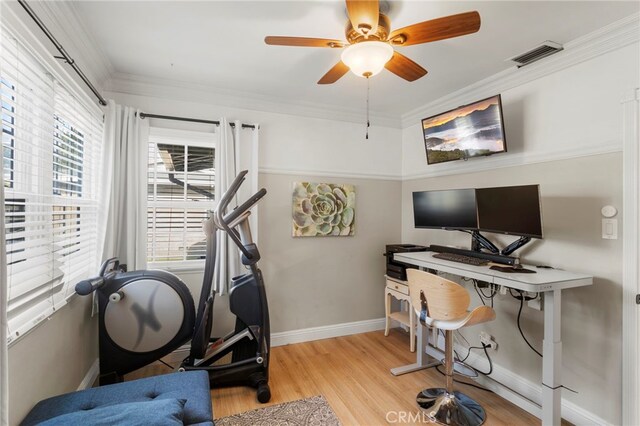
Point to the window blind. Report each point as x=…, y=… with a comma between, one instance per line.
x=175, y=212
x=50, y=148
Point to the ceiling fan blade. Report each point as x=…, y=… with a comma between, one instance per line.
x=334, y=73
x=303, y=42
x=363, y=15
x=404, y=67
x=436, y=29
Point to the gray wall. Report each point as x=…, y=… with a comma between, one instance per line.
x=313, y=282
x=321, y=281
x=573, y=192
x=53, y=358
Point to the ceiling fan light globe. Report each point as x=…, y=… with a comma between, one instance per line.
x=367, y=58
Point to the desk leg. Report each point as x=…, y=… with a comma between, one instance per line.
x=551, y=360
x=421, y=357
x=387, y=311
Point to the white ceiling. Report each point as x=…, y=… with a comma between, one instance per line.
x=220, y=44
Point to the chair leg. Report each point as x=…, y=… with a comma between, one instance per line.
x=447, y=406
x=448, y=359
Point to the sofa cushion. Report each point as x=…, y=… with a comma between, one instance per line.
x=193, y=386
x=158, y=412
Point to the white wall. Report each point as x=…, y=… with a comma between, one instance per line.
x=564, y=132
x=289, y=143
x=575, y=111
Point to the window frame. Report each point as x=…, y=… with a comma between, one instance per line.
x=160, y=135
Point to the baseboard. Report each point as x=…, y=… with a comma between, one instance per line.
x=317, y=333
x=326, y=332
x=91, y=376
x=522, y=392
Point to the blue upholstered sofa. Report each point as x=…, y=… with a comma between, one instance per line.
x=178, y=398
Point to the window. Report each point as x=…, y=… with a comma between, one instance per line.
x=8, y=136
x=180, y=187
x=50, y=151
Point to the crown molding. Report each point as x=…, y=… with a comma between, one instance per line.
x=606, y=39
x=64, y=22
x=191, y=92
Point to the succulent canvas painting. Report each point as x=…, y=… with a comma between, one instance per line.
x=323, y=209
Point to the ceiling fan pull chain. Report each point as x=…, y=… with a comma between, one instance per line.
x=368, y=123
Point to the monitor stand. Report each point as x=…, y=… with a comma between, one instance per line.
x=515, y=245
x=479, y=242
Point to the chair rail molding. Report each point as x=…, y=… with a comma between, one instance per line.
x=329, y=174
x=631, y=253
x=517, y=160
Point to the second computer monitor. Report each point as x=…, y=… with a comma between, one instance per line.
x=511, y=210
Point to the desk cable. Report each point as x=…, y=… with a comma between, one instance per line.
x=481, y=295
x=559, y=387
x=522, y=297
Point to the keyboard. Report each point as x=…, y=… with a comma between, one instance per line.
x=461, y=259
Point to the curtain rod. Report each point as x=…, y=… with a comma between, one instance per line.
x=63, y=52
x=191, y=120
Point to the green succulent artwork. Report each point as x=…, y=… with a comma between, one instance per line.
x=323, y=209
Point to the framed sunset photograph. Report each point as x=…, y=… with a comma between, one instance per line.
x=472, y=130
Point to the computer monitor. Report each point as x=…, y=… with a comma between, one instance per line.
x=448, y=209
x=512, y=210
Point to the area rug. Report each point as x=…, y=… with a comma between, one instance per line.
x=314, y=411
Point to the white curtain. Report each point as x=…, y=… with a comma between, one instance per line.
x=237, y=150
x=123, y=220
x=247, y=159
x=227, y=256
x=4, y=366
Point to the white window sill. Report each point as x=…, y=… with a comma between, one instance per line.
x=192, y=266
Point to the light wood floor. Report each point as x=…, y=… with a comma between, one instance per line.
x=352, y=373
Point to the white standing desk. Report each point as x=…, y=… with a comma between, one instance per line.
x=548, y=281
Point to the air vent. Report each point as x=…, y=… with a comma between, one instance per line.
x=545, y=49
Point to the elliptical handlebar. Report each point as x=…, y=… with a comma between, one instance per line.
x=90, y=285
x=235, y=213
x=222, y=221
x=86, y=287
x=228, y=195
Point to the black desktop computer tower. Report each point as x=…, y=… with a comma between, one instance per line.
x=397, y=269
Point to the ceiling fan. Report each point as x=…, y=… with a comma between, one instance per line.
x=370, y=41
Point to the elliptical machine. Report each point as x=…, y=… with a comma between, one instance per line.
x=145, y=315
